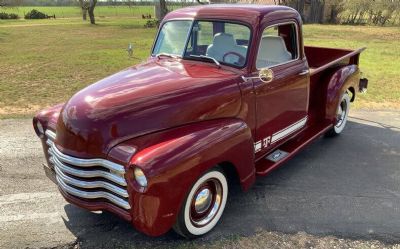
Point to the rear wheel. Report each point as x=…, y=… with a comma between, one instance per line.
x=203, y=206
x=341, y=116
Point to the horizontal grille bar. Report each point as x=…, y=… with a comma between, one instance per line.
x=85, y=173
x=82, y=162
x=88, y=178
x=91, y=184
x=93, y=195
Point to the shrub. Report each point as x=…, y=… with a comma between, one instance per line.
x=35, y=14
x=13, y=16
x=152, y=24
x=8, y=16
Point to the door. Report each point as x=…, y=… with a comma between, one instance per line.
x=281, y=103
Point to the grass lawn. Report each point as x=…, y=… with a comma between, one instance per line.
x=379, y=63
x=44, y=62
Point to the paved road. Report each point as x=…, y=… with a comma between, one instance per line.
x=347, y=186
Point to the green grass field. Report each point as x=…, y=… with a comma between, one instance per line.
x=44, y=62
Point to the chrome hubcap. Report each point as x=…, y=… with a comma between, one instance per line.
x=203, y=201
x=206, y=203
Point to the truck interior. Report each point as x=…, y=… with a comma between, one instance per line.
x=278, y=45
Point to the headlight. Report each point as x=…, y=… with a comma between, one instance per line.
x=140, y=177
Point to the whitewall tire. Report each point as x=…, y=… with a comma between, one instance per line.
x=342, y=113
x=203, y=206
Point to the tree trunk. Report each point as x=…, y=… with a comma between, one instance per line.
x=317, y=11
x=163, y=9
x=300, y=9
x=84, y=14
x=92, y=5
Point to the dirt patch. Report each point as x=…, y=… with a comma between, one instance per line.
x=16, y=111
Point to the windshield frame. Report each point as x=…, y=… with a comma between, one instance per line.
x=182, y=56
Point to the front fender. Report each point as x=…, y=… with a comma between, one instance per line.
x=48, y=117
x=339, y=82
x=173, y=160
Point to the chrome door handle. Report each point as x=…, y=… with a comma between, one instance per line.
x=245, y=79
x=304, y=72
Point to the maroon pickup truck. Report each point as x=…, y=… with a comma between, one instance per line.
x=229, y=93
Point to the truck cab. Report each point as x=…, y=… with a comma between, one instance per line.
x=228, y=93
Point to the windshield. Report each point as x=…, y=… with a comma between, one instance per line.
x=210, y=41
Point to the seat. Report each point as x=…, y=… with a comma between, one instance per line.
x=272, y=51
x=222, y=44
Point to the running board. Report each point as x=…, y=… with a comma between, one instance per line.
x=290, y=148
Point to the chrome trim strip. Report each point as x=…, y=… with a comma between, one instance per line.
x=49, y=142
x=288, y=130
x=91, y=184
x=50, y=134
x=92, y=195
x=85, y=173
x=83, y=162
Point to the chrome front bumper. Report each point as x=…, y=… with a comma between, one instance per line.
x=88, y=179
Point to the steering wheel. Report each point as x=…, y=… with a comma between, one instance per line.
x=241, y=57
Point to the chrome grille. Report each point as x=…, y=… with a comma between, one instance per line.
x=88, y=178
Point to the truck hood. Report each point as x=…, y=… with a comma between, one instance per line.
x=153, y=96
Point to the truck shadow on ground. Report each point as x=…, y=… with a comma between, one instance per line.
x=348, y=186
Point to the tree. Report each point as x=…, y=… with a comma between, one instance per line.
x=315, y=13
x=92, y=5
x=87, y=7
x=163, y=9
x=84, y=7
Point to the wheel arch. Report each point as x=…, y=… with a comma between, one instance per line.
x=353, y=93
x=175, y=162
x=231, y=173
x=343, y=79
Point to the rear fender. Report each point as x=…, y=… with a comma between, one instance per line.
x=173, y=160
x=340, y=81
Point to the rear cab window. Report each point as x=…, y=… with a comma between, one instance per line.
x=278, y=45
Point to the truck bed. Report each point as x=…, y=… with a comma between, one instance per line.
x=322, y=63
x=320, y=58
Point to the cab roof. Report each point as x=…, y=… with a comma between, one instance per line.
x=249, y=13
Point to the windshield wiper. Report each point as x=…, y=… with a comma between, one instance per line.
x=167, y=55
x=206, y=57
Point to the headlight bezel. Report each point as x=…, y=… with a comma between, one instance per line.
x=39, y=128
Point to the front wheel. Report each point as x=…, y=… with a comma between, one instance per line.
x=342, y=114
x=203, y=206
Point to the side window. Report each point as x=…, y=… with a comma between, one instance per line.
x=278, y=45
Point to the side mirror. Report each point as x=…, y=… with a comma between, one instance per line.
x=266, y=75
